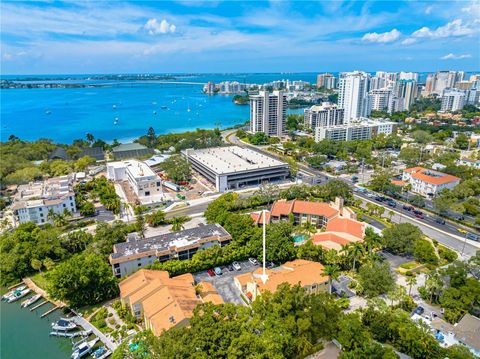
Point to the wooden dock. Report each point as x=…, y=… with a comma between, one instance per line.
x=39, y=305
x=15, y=286
x=51, y=311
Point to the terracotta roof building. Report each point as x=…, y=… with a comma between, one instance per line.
x=306, y=273
x=428, y=182
x=316, y=213
x=163, y=302
x=340, y=232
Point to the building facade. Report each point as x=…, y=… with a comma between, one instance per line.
x=452, y=100
x=428, y=183
x=135, y=253
x=324, y=115
x=233, y=167
x=352, y=94
x=268, y=113
x=327, y=81
x=34, y=201
x=361, y=130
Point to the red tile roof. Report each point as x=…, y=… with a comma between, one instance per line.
x=347, y=225
x=258, y=217
x=284, y=208
x=329, y=237
x=424, y=174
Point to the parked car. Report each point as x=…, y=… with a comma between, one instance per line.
x=419, y=310
x=407, y=207
x=419, y=215
x=253, y=261
x=211, y=273
x=391, y=203
x=218, y=270
x=236, y=266
x=230, y=268
x=379, y=199
x=440, y=220
x=473, y=237
x=370, y=195
x=270, y=265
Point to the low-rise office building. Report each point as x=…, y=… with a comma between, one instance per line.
x=361, y=130
x=163, y=302
x=135, y=253
x=310, y=275
x=34, y=201
x=234, y=167
x=143, y=181
x=428, y=182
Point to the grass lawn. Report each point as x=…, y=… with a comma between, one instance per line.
x=40, y=280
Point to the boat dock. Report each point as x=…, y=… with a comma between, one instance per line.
x=50, y=311
x=87, y=326
x=39, y=305
x=105, y=355
x=59, y=333
x=15, y=286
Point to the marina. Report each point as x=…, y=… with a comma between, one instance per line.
x=59, y=331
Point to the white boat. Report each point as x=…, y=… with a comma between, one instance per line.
x=83, y=349
x=63, y=324
x=116, y=121
x=6, y=295
x=30, y=300
x=16, y=295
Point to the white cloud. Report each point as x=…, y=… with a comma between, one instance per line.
x=451, y=56
x=428, y=10
x=453, y=28
x=383, y=37
x=409, y=41
x=163, y=27
x=7, y=56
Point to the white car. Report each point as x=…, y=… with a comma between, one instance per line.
x=236, y=266
x=253, y=261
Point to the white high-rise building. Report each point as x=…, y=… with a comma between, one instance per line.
x=324, y=115
x=352, y=94
x=408, y=76
x=442, y=80
x=453, y=99
x=268, y=112
x=380, y=100
x=406, y=91
x=472, y=97
x=326, y=80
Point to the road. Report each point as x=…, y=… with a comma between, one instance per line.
x=446, y=234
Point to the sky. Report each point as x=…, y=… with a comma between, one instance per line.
x=75, y=37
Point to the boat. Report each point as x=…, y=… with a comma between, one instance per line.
x=64, y=334
x=115, y=122
x=17, y=294
x=30, y=300
x=154, y=112
x=6, y=295
x=114, y=107
x=83, y=349
x=48, y=112
x=99, y=352
x=164, y=107
x=63, y=324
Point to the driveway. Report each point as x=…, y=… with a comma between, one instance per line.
x=224, y=283
x=395, y=260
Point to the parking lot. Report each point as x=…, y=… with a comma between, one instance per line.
x=224, y=283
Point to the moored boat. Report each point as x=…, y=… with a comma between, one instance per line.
x=6, y=295
x=83, y=349
x=63, y=324
x=30, y=301
x=17, y=294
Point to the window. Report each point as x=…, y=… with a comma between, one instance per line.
x=40, y=209
x=64, y=205
x=41, y=214
x=139, y=264
x=147, y=193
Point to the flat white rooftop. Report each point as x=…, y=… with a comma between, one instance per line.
x=232, y=159
x=136, y=168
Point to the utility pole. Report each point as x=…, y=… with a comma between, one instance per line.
x=363, y=171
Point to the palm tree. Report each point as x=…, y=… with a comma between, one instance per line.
x=309, y=228
x=90, y=138
x=372, y=240
x=391, y=214
x=411, y=281
x=177, y=223
x=356, y=251
x=51, y=214
x=333, y=271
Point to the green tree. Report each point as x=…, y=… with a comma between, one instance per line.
x=375, y=279
x=424, y=252
x=401, y=237
x=36, y=264
x=177, y=222
x=84, y=279
x=333, y=272
x=177, y=168
x=411, y=281
x=156, y=218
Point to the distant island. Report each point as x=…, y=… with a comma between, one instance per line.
x=241, y=99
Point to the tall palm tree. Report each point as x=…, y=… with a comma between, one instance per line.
x=411, y=281
x=51, y=214
x=356, y=251
x=333, y=271
x=177, y=223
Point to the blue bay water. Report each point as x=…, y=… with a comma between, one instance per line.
x=67, y=114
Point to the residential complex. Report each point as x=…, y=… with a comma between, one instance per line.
x=469, y=163
x=163, y=302
x=428, y=182
x=310, y=275
x=34, y=201
x=268, y=113
x=233, y=167
x=141, y=179
x=135, y=253
x=441, y=80
x=358, y=130
x=327, y=81
x=452, y=99
x=352, y=94
x=339, y=232
x=324, y=115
